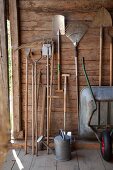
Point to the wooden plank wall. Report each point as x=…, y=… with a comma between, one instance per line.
x=36, y=21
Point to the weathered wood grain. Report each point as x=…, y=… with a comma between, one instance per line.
x=69, y=165
x=35, y=21
x=4, y=96
x=47, y=162
x=89, y=159
x=67, y=5
x=22, y=161
x=16, y=66
x=10, y=159
x=107, y=165
x=82, y=159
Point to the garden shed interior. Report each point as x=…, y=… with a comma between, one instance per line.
x=42, y=46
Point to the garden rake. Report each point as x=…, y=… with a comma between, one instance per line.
x=75, y=32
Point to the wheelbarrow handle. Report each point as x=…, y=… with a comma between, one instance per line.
x=91, y=91
x=87, y=80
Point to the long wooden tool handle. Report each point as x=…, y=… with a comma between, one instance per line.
x=111, y=78
x=35, y=79
x=111, y=62
x=65, y=80
x=48, y=101
x=77, y=85
x=51, y=83
x=100, y=68
x=43, y=112
x=65, y=97
x=37, y=85
x=59, y=67
x=26, y=107
x=33, y=130
x=101, y=48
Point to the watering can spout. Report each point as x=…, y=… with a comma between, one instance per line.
x=41, y=139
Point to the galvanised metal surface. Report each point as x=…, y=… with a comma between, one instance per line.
x=62, y=148
x=102, y=94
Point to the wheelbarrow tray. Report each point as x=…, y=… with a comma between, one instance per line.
x=103, y=94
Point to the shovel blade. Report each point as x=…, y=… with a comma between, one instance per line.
x=58, y=24
x=102, y=18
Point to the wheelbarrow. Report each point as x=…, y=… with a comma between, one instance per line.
x=94, y=120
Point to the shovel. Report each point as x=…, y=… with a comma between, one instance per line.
x=59, y=29
x=102, y=19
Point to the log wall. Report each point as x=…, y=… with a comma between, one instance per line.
x=35, y=21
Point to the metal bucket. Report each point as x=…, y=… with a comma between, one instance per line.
x=62, y=148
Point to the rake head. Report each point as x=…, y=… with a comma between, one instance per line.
x=75, y=31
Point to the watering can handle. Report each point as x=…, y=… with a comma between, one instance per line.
x=62, y=134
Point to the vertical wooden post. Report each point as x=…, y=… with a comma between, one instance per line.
x=4, y=101
x=4, y=48
x=15, y=67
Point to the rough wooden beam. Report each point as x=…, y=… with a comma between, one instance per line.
x=72, y=5
x=16, y=66
x=4, y=104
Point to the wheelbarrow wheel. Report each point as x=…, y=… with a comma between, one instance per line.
x=106, y=145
